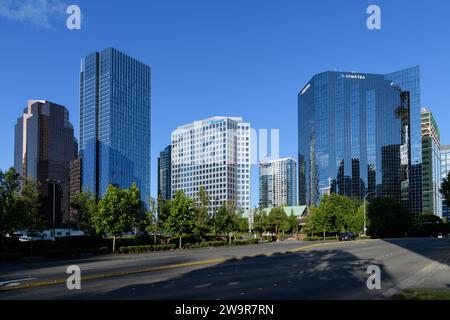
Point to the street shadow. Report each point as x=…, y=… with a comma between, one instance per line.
x=316, y=274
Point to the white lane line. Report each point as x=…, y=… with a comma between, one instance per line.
x=15, y=282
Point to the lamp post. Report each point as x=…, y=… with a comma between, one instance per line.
x=365, y=197
x=54, y=183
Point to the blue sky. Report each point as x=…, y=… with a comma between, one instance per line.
x=244, y=58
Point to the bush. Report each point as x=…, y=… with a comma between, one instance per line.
x=147, y=248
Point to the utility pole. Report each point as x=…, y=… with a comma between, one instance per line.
x=54, y=183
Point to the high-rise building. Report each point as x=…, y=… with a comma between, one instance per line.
x=278, y=183
x=445, y=169
x=165, y=174
x=431, y=165
x=75, y=185
x=44, y=146
x=115, y=122
x=359, y=135
x=214, y=153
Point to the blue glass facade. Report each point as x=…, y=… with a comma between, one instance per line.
x=354, y=137
x=115, y=117
x=445, y=169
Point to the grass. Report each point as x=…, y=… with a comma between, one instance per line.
x=422, y=294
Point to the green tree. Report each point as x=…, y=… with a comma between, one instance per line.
x=388, y=218
x=28, y=204
x=151, y=223
x=9, y=198
x=225, y=219
x=182, y=215
x=445, y=189
x=202, y=217
x=428, y=224
x=320, y=221
x=86, y=205
x=276, y=218
x=117, y=211
x=259, y=221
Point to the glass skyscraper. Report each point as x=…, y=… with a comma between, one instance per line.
x=165, y=174
x=445, y=169
x=115, y=116
x=359, y=134
x=431, y=165
x=278, y=183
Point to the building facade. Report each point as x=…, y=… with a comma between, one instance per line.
x=214, y=153
x=44, y=146
x=165, y=174
x=359, y=136
x=278, y=183
x=115, y=116
x=445, y=169
x=75, y=185
x=431, y=164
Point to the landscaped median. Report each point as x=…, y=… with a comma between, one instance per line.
x=422, y=294
x=165, y=247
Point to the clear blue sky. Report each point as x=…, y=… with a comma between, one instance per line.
x=244, y=58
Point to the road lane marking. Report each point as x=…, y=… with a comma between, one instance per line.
x=45, y=283
x=13, y=282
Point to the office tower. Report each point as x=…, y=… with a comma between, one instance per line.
x=358, y=137
x=164, y=174
x=214, y=153
x=75, y=185
x=431, y=164
x=409, y=81
x=44, y=147
x=445, y=169
x=115, y=122
x=278, y=183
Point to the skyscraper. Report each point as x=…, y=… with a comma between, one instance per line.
x=75, y=185
x=165, y=174
x=431, y=164
x=214, y=153
x=358, y=136
x=115, y=122
x=278, y=183
x=445, y=169
x=44, y=147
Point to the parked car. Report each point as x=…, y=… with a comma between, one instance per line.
x=347, y=236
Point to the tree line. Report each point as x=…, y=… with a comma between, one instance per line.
x=120, y=210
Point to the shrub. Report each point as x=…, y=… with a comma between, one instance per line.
x=147, y=248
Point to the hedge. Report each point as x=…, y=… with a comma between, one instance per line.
x=146, y=248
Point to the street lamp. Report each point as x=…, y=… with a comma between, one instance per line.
x=365, y=197
x=54, y=183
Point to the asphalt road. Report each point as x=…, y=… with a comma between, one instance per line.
x=283, y=270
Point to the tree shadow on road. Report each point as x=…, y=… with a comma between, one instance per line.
x=317, y=274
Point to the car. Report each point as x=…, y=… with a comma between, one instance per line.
x=347, y=236
x=440, y=236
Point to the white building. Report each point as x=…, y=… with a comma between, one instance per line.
x=278, y=183
x=214, y=153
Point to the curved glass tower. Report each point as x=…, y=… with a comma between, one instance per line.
x=357, y=137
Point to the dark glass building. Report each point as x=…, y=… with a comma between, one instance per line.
x=165, y=174
x=44, y=147
x=358, y=136
x=115, y=121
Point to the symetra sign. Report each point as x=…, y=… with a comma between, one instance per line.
x=352, y=76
